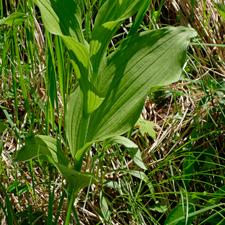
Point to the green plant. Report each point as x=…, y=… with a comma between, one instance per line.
x=111, y=89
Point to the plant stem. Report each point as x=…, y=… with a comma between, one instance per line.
x=71, y=200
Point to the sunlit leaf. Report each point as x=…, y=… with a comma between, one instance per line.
x=70, y=30
x=77, y=180
x=41, y=145
x=108, y=20
x=62, y=17
x=14, y=19
x=152, y=58
x=146, y=127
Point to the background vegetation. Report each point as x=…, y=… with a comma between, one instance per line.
x=184, y=183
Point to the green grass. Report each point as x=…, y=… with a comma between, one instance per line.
x=185, y=162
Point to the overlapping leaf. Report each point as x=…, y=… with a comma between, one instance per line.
x=108, y=20
x=48, y=149
x=69, y=29
x=77, y=180
x=149, y=59
x=62, y=17
x=153, y=58
x=41, y=145
x=14, y=19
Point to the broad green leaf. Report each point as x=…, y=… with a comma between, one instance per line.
x=78, y=54
x=77, y=180
x=94, y=98
x=74, y=123
x=68, y=27
x=62, y=17
x=152, y=58
x=48, y=149
x=146, y=127
x=180, y=212
x=113, y=10
x=14, y=19
x=132, y=148
x=108, y=20
x=41, y=145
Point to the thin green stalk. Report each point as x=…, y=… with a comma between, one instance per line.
x=15, y=129
x=61, y=68
x=87, y=20
x=51, y=202
x=30, y=209
x=139, y=18
x=59, y=207
x=71, y=200
x=44, y=110
x=10, y=214
x=159, y=11
x=52, y=90
x=30, y=165
x=75, y=216
x=21, y=77
x=69, y=79
x=14, y=84
x=60, y=54
x=1, y=7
